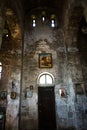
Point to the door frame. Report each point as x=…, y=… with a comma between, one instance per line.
x=46, y=85
x=54, y=103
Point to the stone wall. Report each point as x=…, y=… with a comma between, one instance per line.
x=21, y=70
x=66, y=70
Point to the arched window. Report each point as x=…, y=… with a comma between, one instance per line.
x=52, y=23
x=46, y=79
x=34, y=23
x=0, y=69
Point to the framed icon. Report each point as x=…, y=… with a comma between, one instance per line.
x=45, y=60
x=79, y=88
x=3, y=95
x=29, y=91
x=62, y=92
x=29, y=94
x=13, y=95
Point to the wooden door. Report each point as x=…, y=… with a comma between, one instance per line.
x=46, y=108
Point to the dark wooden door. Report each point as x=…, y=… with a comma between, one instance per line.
x=46, y=108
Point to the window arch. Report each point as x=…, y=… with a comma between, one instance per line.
x=46, y=79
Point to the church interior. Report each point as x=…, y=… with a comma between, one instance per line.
x=43, y=65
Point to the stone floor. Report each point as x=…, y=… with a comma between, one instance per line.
x=70, y=128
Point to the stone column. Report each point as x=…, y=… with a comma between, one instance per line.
x=2, y=11
x=1, y=29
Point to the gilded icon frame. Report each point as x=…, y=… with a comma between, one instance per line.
x=45, y=60
x=3, y=95
x=13, y=95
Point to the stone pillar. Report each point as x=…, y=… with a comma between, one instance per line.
x=85, y=10
x=1, y=29
x=2, y=11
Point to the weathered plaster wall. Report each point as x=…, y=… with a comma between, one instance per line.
x=71, y=111
x=66, y=70
x=10, y=57
x=11, y=73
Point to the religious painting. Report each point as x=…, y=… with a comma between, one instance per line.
x=28, y=94
x=29, y=91
x=79, y=88
x=13, y=95
x=45, y=60
x=62, y=92
x=3, y=95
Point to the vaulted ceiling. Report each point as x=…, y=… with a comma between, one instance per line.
x=68, y=12
x=22, y=7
